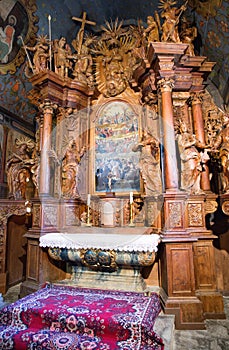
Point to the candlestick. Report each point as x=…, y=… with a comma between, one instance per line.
x=131, y=215
x=88, y=199
x=131, y=197
x=50, y=43
x=88, y=216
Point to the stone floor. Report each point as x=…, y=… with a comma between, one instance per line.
x=215, y=337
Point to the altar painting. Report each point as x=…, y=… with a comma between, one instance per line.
x=116, y=165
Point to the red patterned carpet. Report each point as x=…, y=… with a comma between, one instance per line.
x=69, y=318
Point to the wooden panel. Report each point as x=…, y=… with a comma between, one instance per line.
x=16, y=250
x=204, y=262
x=191, y=312
x=33, y=260
x=180, y=270
x=222, y=270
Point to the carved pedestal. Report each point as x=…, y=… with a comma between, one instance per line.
x=188, y=263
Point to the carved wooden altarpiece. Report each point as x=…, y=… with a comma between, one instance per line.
x=111, y=154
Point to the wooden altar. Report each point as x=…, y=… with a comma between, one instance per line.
x=130, y=106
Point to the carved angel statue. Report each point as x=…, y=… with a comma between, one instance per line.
x=150, y=163
x=221, y=145
x=192, y=161
x=40, y=53
x=18, y=168
x=171, y=17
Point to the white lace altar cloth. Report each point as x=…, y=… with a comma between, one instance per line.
x=119, y=242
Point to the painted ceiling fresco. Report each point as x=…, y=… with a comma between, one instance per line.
x=210, y=17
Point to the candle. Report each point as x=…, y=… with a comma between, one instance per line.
x=88, y=199
x=131, y=197
x=50, y=43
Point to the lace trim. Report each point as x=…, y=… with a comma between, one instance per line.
x=101, y=241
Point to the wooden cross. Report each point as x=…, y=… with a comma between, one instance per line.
x=81, y=31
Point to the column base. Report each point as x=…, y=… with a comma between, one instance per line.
x=188, y=311
x=213, y=306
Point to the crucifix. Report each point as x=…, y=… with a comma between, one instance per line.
x=81, y=31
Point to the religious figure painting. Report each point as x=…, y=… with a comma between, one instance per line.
x=17, y=27
x=116, y=165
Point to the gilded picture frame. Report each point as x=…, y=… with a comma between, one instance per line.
x=17, y=27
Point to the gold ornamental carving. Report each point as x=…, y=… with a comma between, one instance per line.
x=210, y=207
x=165, y=85
x=225, y=207
x=98, y=259
x=71, y=217
x=146, y=258
x=175, y=216
x=36, y=215
x=54, y=253
x=195, y=217
x=50, y=215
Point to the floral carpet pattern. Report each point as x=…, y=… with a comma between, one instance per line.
x=70, y=318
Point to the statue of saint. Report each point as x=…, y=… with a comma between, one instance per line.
x=152, y=31
x=62, y=55
x=187, y=35
x=18, y=168
x=40, y=54
x=192, y=161
x=83, y=66
x=150, y=163
x=70, y=170
x=171, y=17
x=221, y=145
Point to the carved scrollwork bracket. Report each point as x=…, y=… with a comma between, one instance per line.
x=211, y=207
x=225, y=207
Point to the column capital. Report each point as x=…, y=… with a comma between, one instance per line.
x=196, y=98
x=48, y=107
x=165, y=84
